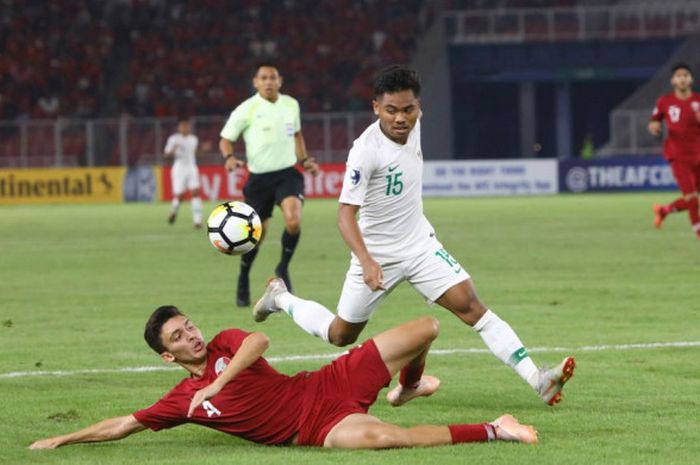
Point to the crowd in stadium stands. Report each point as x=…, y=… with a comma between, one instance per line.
x=52, y=58
x=194, y=56
x=84, y=58
x=198, y=55
x=498, y=4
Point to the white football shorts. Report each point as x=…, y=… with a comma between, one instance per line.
x=431, y=274
x=184, y=178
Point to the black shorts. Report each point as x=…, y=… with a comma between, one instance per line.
x=263, y=191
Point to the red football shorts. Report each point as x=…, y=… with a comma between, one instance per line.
x=347, y=385
x=687, y=174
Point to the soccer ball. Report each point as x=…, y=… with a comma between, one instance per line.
x=234, y=228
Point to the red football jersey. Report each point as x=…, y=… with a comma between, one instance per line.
x=683, y=140
x=259, y=404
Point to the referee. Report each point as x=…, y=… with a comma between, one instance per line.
x=271, y=128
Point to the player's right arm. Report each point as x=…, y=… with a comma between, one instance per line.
x=235, y=125
x=360, y=166
x=251, y=349
x=170, y=147
x=350, y=231
x=654, y=126
x=106, y=430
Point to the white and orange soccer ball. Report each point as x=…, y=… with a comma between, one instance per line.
x=234, y=228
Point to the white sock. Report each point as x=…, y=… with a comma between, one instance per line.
x=311, y=316
x=175, y=205
x=502, y=341
x=197, y=210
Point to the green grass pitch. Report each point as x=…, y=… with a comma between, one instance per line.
x=582, y=272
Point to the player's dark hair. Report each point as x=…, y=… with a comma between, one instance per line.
x=265, y=64
x=681, y=65
x=155, y=323
x=396, y=78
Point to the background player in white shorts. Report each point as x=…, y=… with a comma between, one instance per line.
x=393, y=241
x=182, y=147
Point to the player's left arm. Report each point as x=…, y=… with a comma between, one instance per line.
x=252, y=348
x=307, y=162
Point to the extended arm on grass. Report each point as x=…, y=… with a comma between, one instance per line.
x=106, y=430
x=251, y=349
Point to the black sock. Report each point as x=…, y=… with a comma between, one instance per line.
x=289, y=245
x=247, y=260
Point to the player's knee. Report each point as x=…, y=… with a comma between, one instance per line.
x=431, y=326
x=382, y=436
x=342, y=339
x=293, y=226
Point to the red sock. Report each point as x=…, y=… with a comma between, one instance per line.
x=472, y=433
x=677, y=205
x=693, y=212
x=410, y=375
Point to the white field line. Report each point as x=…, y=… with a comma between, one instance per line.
x=292, y=358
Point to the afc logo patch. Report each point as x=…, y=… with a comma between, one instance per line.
x=674, y=113
x=290, y=129
x=221, y=364
x=354, y=176
x=695, y=106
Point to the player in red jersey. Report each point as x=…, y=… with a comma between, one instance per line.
x=232, y=388
x=680, y=110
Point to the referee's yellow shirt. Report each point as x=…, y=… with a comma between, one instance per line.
x=268, y=131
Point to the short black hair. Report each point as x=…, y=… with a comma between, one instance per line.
x=155, y=323
x=681, y=65
x=396, y=78
x=265, y=64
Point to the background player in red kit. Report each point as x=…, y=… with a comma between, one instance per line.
x=680, y=110
x=231, y=388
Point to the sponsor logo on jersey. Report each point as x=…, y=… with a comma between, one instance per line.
x=221, y=364
x=392, y=168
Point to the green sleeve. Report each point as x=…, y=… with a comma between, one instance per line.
x=237, y=123
x=297, y=117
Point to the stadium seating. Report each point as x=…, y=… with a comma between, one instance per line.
x=196, y=56
x=192, y=56
x=52, y=60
